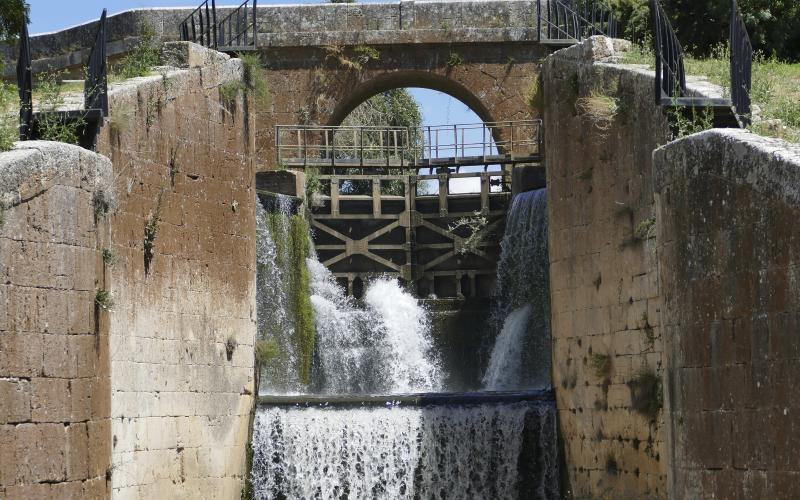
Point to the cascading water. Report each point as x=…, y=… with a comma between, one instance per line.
x=382, y=348
x=520, y=358
x=340, y=448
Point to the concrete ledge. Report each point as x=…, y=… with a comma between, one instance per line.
x=769, y=166
x=32, y=167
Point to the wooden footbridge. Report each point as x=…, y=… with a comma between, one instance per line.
x=426, y=205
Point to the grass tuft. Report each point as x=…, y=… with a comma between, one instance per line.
x=599, y=109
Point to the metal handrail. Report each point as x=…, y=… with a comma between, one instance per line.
x=95, y=88
x=567, y=21
x=411, y=146
x=239, y=29
x=25, y=85
x=741, y=65
x=200, y=28
x=670, y=82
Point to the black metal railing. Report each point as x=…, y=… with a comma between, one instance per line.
x=575, y=21
x=670, y=82
x=201, y=25
x=95, y=89
x=95, y=92
x=238, y=29
x=25, y=85
x=670, y=72
x=741, y=65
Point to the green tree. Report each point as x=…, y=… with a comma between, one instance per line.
x=13, y=13
x=393, y=108
x=702, y=25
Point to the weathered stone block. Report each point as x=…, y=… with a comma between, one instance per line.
x=50, y=400
x=16, y=398
x=39, y=452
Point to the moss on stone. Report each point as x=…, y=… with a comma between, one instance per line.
x=292, y=253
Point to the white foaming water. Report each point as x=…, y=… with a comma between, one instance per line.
x=504, y=372
x=520, y=358
x=405, y=330
x=383, y=348
x=431, y=452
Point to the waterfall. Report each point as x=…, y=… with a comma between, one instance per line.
x=381, y=347
x=520, y=358
x=500, y=451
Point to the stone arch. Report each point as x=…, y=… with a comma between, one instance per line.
x=406, y=79
x=310, y=86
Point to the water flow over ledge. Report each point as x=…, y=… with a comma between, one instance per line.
x=520, y=357
x=498, y=451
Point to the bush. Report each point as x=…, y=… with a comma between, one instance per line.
x=9, y=120
x=144, y=57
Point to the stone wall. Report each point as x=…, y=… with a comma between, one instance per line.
x=55, y=435
x=729, y=253
x=182, y=331
x=605, y=302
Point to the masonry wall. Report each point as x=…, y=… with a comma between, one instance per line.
x=729, y=253
x=55, y=433
x=606, y=309
x=182, y=331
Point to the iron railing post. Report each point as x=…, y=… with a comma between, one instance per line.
x=214, y=21
x=25, y=85
x=539, y=20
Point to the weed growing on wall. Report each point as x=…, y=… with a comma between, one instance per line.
x=532, y=92
x=228, y=92
x=150, y=230
x=599, y=109
x=455, y=59
x=142, y=59
x=104, y=299
x=476, y=225
x=601, y=363
x=109, y=258
x=687, y=121
x=255, y=79
x=646, y=394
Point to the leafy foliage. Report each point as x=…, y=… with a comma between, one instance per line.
x=8, y=117
x=13, y=13
x=393, y=108
x=144, y=57
x=702, y=25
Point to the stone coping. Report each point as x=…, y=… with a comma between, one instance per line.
x=32, y=167
x=770, y=166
